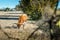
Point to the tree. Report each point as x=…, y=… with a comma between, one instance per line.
x=7, y=9
x=17, y=7
x=36, y=7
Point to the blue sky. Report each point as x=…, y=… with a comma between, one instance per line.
x=11, y=3
x=8, y=3
x=59, y=5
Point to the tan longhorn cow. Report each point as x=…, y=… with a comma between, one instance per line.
x=22, y=19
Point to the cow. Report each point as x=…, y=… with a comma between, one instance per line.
x=21, y=21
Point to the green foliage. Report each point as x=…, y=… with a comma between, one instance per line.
x=35, y=15
x=58, y=24
x=31, y=6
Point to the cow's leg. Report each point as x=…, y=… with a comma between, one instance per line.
x=18, y=26
x=24, y=25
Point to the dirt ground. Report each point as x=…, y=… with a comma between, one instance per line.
x=10, y=32
x=4, y=23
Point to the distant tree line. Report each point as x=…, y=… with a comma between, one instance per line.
x=6, y=9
